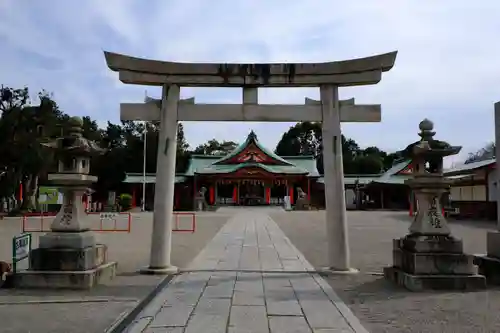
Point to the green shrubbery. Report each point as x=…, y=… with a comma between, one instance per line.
x=125, y=201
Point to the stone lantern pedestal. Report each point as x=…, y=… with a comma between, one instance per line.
x=429, y=257
x=68, y=256
x=200, y=203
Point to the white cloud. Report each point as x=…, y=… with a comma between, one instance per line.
x=446, y=68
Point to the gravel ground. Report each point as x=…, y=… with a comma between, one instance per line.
x=381, y=306
x=95, y=310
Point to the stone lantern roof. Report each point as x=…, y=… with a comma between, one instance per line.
x=74, y=144
x=429, y=146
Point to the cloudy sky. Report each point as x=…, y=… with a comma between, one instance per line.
x=448, y=66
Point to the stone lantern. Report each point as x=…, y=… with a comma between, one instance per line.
x=429, y=257
x=68, y=256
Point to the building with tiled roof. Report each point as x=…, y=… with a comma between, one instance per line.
x=251, y=174
x=254, y=174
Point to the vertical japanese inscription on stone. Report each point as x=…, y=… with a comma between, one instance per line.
x=67, y=214
x=433, y=214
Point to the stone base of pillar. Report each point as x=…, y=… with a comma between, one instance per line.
x=67, y=268
x=170, y=270
x=489, y=264
x=332, y=271
x=433, y=263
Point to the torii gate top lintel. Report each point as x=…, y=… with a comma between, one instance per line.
x=353, y=72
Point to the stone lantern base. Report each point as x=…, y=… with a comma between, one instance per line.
x=433, y=262
x=489, y=264
x=68, y=256
x=67, y=268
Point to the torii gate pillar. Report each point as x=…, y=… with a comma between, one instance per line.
x=161, y=238
x=336, y=220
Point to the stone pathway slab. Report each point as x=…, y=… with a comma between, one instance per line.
x=249, y=278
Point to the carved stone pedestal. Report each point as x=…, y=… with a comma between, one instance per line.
x=433, y=262
x=302, y=203
x=67, y=268
x=489, y=264
x=200, y=204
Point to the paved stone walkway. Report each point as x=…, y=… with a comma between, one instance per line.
x=249, y=278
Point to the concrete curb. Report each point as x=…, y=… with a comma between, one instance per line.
x=127, y=318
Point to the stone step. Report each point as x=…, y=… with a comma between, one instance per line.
x=414, y=282
x=434, y=263
x=68, y=259
x=65, y=279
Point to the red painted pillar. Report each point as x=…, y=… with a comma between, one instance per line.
x=21, y=191
x=308, y=189
x=211, y=195
x=134, y=198
x=290, y=193
x=235, y=193
x=268, y=195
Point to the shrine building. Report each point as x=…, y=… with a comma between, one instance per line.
x=254, y=175
x=249, y=175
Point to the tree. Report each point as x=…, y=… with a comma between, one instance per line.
x=11, y=99
x=23, y=128
x=306, y=139
x=182, y=158
x=485, y=153
x=391, y=158
x=214, y=147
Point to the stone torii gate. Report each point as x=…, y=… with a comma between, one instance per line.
x=329, y=110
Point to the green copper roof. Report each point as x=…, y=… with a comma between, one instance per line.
x=391, y=177
x=202, y=164
x=228, y=168
x=138, y=178
x=251, y=138
x=206, y=164
x=351, y=179
x=469, y=167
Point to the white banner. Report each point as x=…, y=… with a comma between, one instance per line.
x=21, y=247
x=108, y=215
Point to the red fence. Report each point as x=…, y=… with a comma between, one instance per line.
x=121, y=222
x=41, y=219
x=178, y=215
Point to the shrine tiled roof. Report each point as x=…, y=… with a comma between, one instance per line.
x=469, y=167
x=396, y=174
x=138, y=178
x=352, y=179
x=252, y=154
x=252, y=140
x=203, y=164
